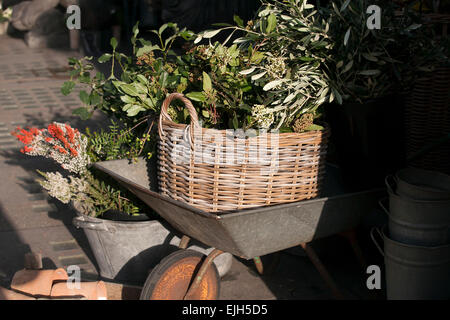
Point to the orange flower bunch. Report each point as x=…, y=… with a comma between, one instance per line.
x=65, y=137
x=58, y=141
x=26, y=137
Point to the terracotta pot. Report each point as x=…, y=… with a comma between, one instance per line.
x=6, y=294
x=37, y=282
x=89, y=290
x=3, y=28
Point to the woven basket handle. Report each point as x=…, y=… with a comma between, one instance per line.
x=165, y=116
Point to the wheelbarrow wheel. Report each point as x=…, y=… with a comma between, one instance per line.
x=171, y=278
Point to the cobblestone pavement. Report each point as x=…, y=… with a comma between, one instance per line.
x=30, y=82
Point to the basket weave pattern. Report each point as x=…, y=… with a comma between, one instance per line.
x=427, y=119
x=219, y=170
x=427, y=112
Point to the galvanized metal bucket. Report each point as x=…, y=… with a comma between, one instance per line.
x=421, y=184
x=417, y=222
x=127, y=251
x=413, y=227
x=414, y=272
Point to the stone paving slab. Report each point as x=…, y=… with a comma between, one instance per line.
x=30, y=82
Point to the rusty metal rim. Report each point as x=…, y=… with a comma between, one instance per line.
x=199, y=275
x=176, y=272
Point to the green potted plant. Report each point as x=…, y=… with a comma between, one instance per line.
x=125, y=236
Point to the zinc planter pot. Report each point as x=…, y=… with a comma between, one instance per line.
x=417, y=222
x=414, y=272
x=419, y=184
x=126, y=251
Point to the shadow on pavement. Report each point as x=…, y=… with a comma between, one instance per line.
x=13, y=250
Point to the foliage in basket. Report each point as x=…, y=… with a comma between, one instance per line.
x=74, y=152
x=207, y=75
x=293, y=45
x=154, y=71
x=268, y=80
x=288, y=61
x=368, y=63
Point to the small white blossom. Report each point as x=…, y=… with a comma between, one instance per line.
x=263, y=116
x=67, y=189
x=276, y=67
x=57, y=186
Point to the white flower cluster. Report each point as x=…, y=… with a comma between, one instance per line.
x=222, y=54
x=263, y=116
x=57, y=186
x=65, y=190
x=68, y=147
x=75, y=164
x=276, y=67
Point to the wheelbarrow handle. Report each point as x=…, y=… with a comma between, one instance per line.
x=391, y=183
x=83, y=223
x=376, y=243
x=383, y=205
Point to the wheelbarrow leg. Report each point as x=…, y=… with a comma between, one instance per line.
x=201, y=272
x=259, y=265
x=323, y=271
x=351, y=237
x=267, y=267
x=184, y=242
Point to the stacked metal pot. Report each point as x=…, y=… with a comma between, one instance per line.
x=417, y=237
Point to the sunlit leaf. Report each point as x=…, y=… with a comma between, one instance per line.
x=272, y=84
x=248, y=71
x=347, y=35
x=271, y=23
x=196, y=96
x=210, y=34
x=238, y=21
x=207, y=84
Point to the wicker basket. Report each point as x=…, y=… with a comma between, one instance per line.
x=427, y=112
x=219, y=170
x=427, y=119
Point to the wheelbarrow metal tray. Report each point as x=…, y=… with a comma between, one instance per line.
x=252, y=232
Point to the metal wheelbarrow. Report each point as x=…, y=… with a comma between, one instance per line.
x=248, y=234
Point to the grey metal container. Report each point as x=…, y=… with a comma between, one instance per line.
x=415, y=272
x=414, y=225
x=421, y=184
x=418, y=222
x=127, y=251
